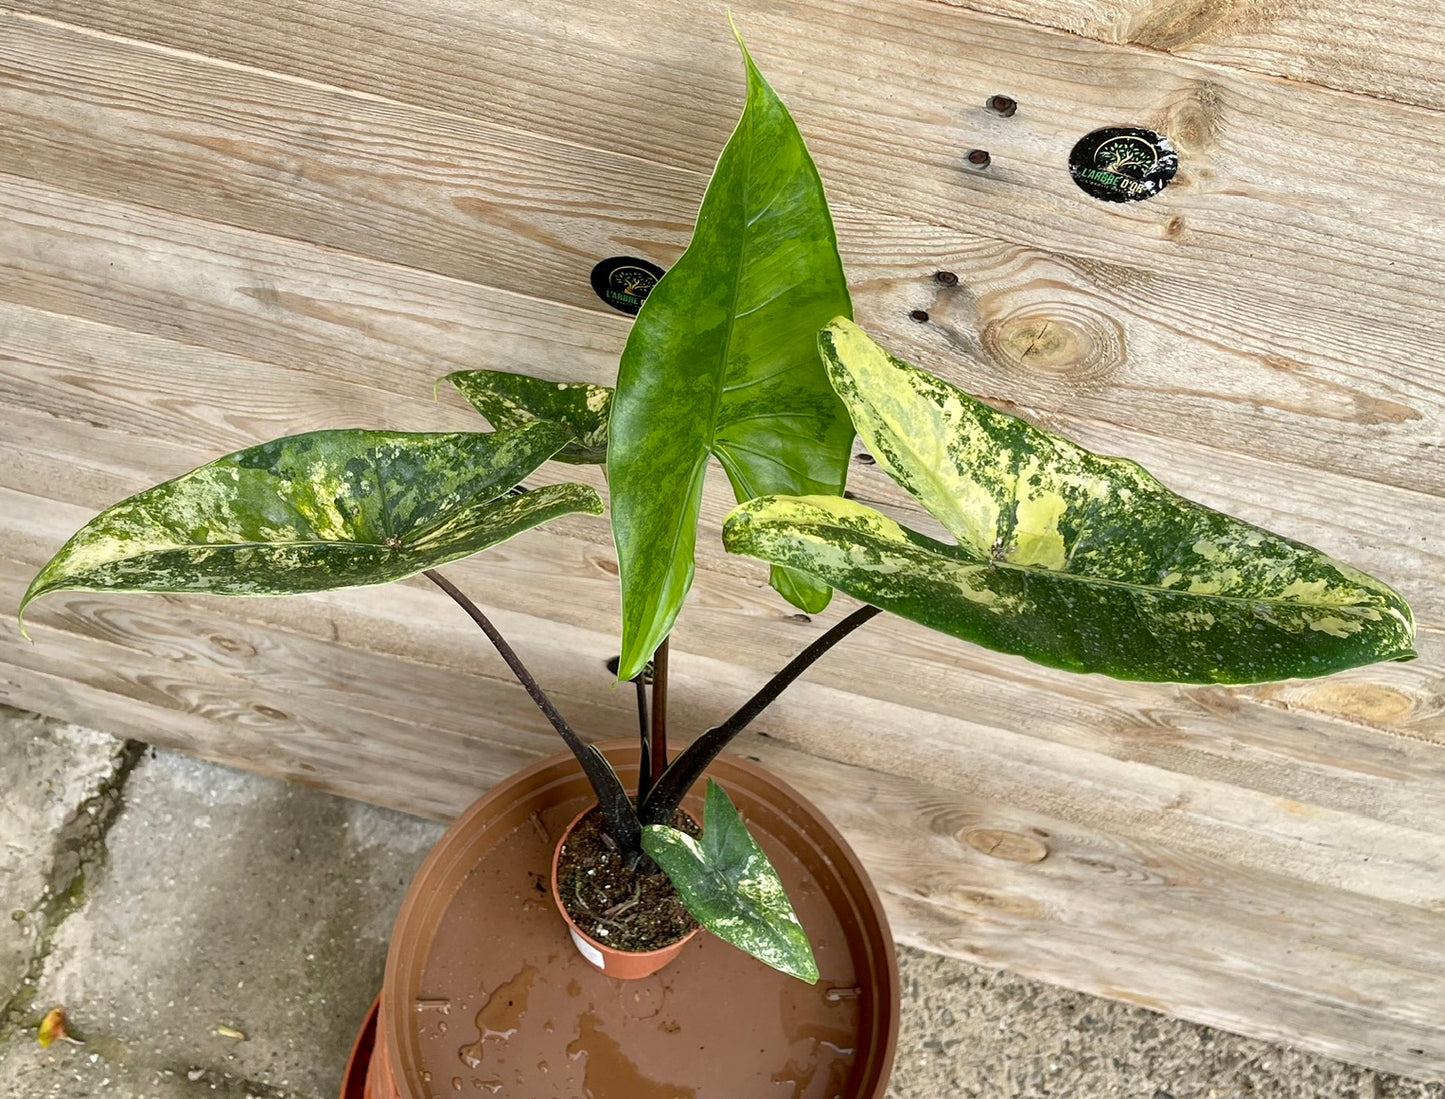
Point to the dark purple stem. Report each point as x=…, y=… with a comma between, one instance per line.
x=673, y=784
x=611, y=794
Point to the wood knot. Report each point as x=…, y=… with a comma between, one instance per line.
x=1361, y=701
x=1175, y=23
x=999, y=844
x=1064, y=338
x=232, y=646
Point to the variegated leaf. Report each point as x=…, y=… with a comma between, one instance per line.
x=731, y=888
x=315, y=512
x=1070, y=558
x=512, y=400
x=722, y=361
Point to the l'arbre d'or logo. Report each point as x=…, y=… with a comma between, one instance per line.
x=624, y=282
x=1123, y=163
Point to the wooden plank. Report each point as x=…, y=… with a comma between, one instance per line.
x=1384, y=48
x=1255, y=149
x=471, y=200
x=1320, y=367
x=393, y=327
x=247, y=294
x=1079, y=908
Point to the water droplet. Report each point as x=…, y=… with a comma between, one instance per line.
x=456, y=1083
x=444, y=1006
x=441, y=1028
x=425, y=1077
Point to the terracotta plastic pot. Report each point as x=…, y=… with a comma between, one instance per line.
x=358, y=1065
x=625, y=965
x=485, y=994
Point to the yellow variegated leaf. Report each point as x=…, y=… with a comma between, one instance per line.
x=1070, y=558
x=510, y=400
x=317, y=512
x=731, y=887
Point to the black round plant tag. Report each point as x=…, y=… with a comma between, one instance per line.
x=624, y=282
x=1123, y=163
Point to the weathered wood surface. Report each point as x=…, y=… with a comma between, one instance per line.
x=262, y=218
x=1386, y=48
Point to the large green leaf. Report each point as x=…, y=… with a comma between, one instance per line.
x=1070, y=558
x=329, y=509
x=730, y=887
x=722, y=360
x=512, y=400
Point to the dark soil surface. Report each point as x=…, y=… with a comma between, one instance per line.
x=630, y=910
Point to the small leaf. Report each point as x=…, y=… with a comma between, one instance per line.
x=1070, y=558
x=722, y=361
x=513, y=400
x=52, y=1029
x=730, y=887
x=316, y=512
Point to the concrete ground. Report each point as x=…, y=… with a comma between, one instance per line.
x=161, y=901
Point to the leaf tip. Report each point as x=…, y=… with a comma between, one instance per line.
x=25, y=600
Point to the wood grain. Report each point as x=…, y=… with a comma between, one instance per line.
x=1098, y=316
x=397, y=329
x=265, y=218
x=1385, y=48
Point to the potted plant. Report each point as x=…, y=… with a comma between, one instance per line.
x=745, y=352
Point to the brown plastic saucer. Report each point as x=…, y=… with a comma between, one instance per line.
x=485, y=994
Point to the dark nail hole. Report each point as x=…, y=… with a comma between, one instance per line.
x=920, y=315
x=1002, y=105
x=945, y=278
x=861, y=459
x=979, y=158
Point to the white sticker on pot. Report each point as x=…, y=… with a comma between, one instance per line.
x=587, y=950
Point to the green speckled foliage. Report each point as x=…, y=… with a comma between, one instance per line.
x=1070, y=558
x=729, y=885
x=513, y=400
x=722, y=361
x=315, y=512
